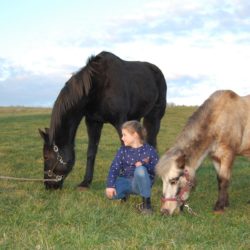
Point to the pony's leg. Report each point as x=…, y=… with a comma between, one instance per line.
x=223, y=170
x=94, y=130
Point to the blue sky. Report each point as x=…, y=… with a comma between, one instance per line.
x=200, y=46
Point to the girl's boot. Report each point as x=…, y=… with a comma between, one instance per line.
x=145, y=207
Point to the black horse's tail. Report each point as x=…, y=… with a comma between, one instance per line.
x=162, y=88
x=152, y=120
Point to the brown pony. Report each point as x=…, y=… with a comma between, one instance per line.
x=219, y=128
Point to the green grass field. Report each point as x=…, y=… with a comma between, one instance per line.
x=33, y=218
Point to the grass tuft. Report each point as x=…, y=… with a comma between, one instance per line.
x=33, y=218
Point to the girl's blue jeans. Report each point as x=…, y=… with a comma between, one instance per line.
x=140, y=184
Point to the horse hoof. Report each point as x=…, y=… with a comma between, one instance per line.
x=219, y=212
x=82, y=189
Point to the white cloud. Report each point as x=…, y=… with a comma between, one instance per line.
x=200, y=46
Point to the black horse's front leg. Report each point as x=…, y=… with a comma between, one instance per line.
x=94, y=130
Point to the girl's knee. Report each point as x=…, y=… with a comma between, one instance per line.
x=140, y=171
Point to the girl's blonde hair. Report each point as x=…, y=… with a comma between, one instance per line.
x=135, y=126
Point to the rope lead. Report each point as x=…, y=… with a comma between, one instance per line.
x=59, y=178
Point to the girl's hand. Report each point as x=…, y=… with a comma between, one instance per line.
x=139, y=163
x=110, y=192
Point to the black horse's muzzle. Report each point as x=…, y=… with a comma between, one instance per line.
x=53, y=181
x=53, y=184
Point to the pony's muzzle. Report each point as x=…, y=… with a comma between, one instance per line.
x=165, y=211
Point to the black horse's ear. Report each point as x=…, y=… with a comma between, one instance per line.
x=44, y=134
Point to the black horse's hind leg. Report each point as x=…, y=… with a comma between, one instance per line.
x=152, y=122
x=94, y=130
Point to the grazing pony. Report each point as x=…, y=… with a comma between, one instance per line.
x=107, y=90
x=219, y=128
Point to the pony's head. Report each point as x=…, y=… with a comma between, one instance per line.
x=57, y=162
x=177, y=178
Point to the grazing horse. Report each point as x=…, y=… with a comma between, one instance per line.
x=107, y=90
x=220, y=128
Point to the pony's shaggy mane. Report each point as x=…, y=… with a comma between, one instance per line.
x=75, y=88
x=200, y=121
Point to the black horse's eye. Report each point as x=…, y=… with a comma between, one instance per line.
x=173, y=181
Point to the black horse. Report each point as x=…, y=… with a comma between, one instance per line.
x=107, y=90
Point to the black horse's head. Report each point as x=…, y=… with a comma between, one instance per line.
x=58, y=162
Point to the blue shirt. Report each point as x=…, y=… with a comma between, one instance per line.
x=123, y=164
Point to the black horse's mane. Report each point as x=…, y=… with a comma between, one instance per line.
x=75, y=88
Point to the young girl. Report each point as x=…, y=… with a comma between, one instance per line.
x=133, y=168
